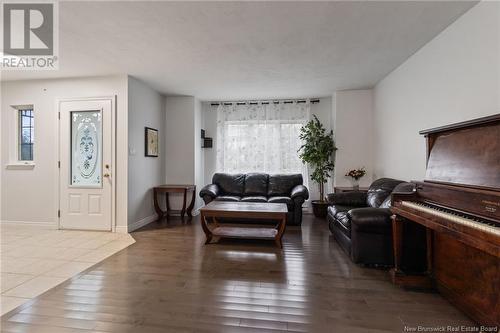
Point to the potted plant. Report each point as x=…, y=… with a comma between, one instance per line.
x=317, y=151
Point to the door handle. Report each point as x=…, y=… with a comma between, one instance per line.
x=106, y=175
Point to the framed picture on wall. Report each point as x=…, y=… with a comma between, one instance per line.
x=151, y=139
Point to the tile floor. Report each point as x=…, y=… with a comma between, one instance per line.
x=35, y=259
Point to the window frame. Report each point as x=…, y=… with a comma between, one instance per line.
x=14, y=161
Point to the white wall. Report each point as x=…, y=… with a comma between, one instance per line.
x=323, y=110
x=2, y=163
x=184, y=163
x=353, y=135
x=179, y=141
x=31, y=195
x=146, y=108
x=455, y=77
x=209, y=124
x=199, y=156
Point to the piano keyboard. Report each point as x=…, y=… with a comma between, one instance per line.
x=454, y=217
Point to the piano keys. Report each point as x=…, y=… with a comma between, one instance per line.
x=458, y=205
x=462, y=219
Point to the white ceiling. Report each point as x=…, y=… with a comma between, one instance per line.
x=245, y=50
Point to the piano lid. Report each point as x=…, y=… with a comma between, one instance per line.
x=466, y=153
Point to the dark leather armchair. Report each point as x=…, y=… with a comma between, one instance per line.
x=361, y=222
x=259, y=187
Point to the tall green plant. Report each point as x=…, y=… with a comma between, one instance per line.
x=317, y=151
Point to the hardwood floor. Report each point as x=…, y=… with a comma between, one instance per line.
x=168, y=281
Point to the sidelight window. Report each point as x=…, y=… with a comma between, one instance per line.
x=26, y=130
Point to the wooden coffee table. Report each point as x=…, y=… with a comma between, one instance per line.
x=246, y=210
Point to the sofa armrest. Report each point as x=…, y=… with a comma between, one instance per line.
x=300, y=191
x=376, y=220
x=354, y=198
x=210, y=190
x=371, y=236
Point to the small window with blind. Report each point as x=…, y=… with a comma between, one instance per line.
x=26, y=133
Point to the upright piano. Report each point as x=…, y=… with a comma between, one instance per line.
x=457, y=208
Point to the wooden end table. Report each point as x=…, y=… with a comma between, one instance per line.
x=174, y=189
x=342, y=189
x=246, y=210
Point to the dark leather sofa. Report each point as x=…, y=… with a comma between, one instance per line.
x=361, y=221
x=259, y=187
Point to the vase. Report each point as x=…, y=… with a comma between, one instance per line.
x=355, y=184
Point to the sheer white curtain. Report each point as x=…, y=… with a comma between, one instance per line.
x=261, y=137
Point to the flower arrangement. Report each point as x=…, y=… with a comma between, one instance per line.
x=356, y=174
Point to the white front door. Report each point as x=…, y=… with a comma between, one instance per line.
x=85, y=178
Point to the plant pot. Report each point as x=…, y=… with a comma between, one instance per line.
x=320, y=208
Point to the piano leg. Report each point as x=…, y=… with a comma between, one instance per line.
x=398, y=276
x=397, y=237
x=430, y=248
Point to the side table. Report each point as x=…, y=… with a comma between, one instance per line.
x=341, y=189
x=174, y=189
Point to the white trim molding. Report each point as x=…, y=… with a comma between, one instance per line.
x=20, y=166
x=30, y=223
x=121, y=229
x=141, y=223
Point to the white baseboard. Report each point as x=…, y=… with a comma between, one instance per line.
x=122, y=229
x=30, y=223
x=141, y=223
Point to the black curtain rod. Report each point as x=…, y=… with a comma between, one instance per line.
x=313, y=101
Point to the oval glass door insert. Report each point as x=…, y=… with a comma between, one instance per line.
x=86, y=148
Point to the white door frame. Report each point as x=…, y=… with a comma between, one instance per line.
x=111, y=99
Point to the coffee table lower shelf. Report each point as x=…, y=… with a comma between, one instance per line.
x=241, y=232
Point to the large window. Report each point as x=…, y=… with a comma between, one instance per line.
x=260, y=137
x=26, y=130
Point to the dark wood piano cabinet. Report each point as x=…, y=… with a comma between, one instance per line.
x=458, y=204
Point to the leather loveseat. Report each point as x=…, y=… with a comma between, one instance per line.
x=259, y=187
x=361, y=221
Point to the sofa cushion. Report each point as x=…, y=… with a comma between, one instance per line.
x=230, y=184
x=379, y=190
x=282, y=185
x=334, y=209
x=344, y=222
x=341, y=215
x=282, y=199
x=371, y=220
x=386, y=203
x=234, y=198
x=403, y=187
x=254, y=198
x=331, y=211
x=256, y=184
